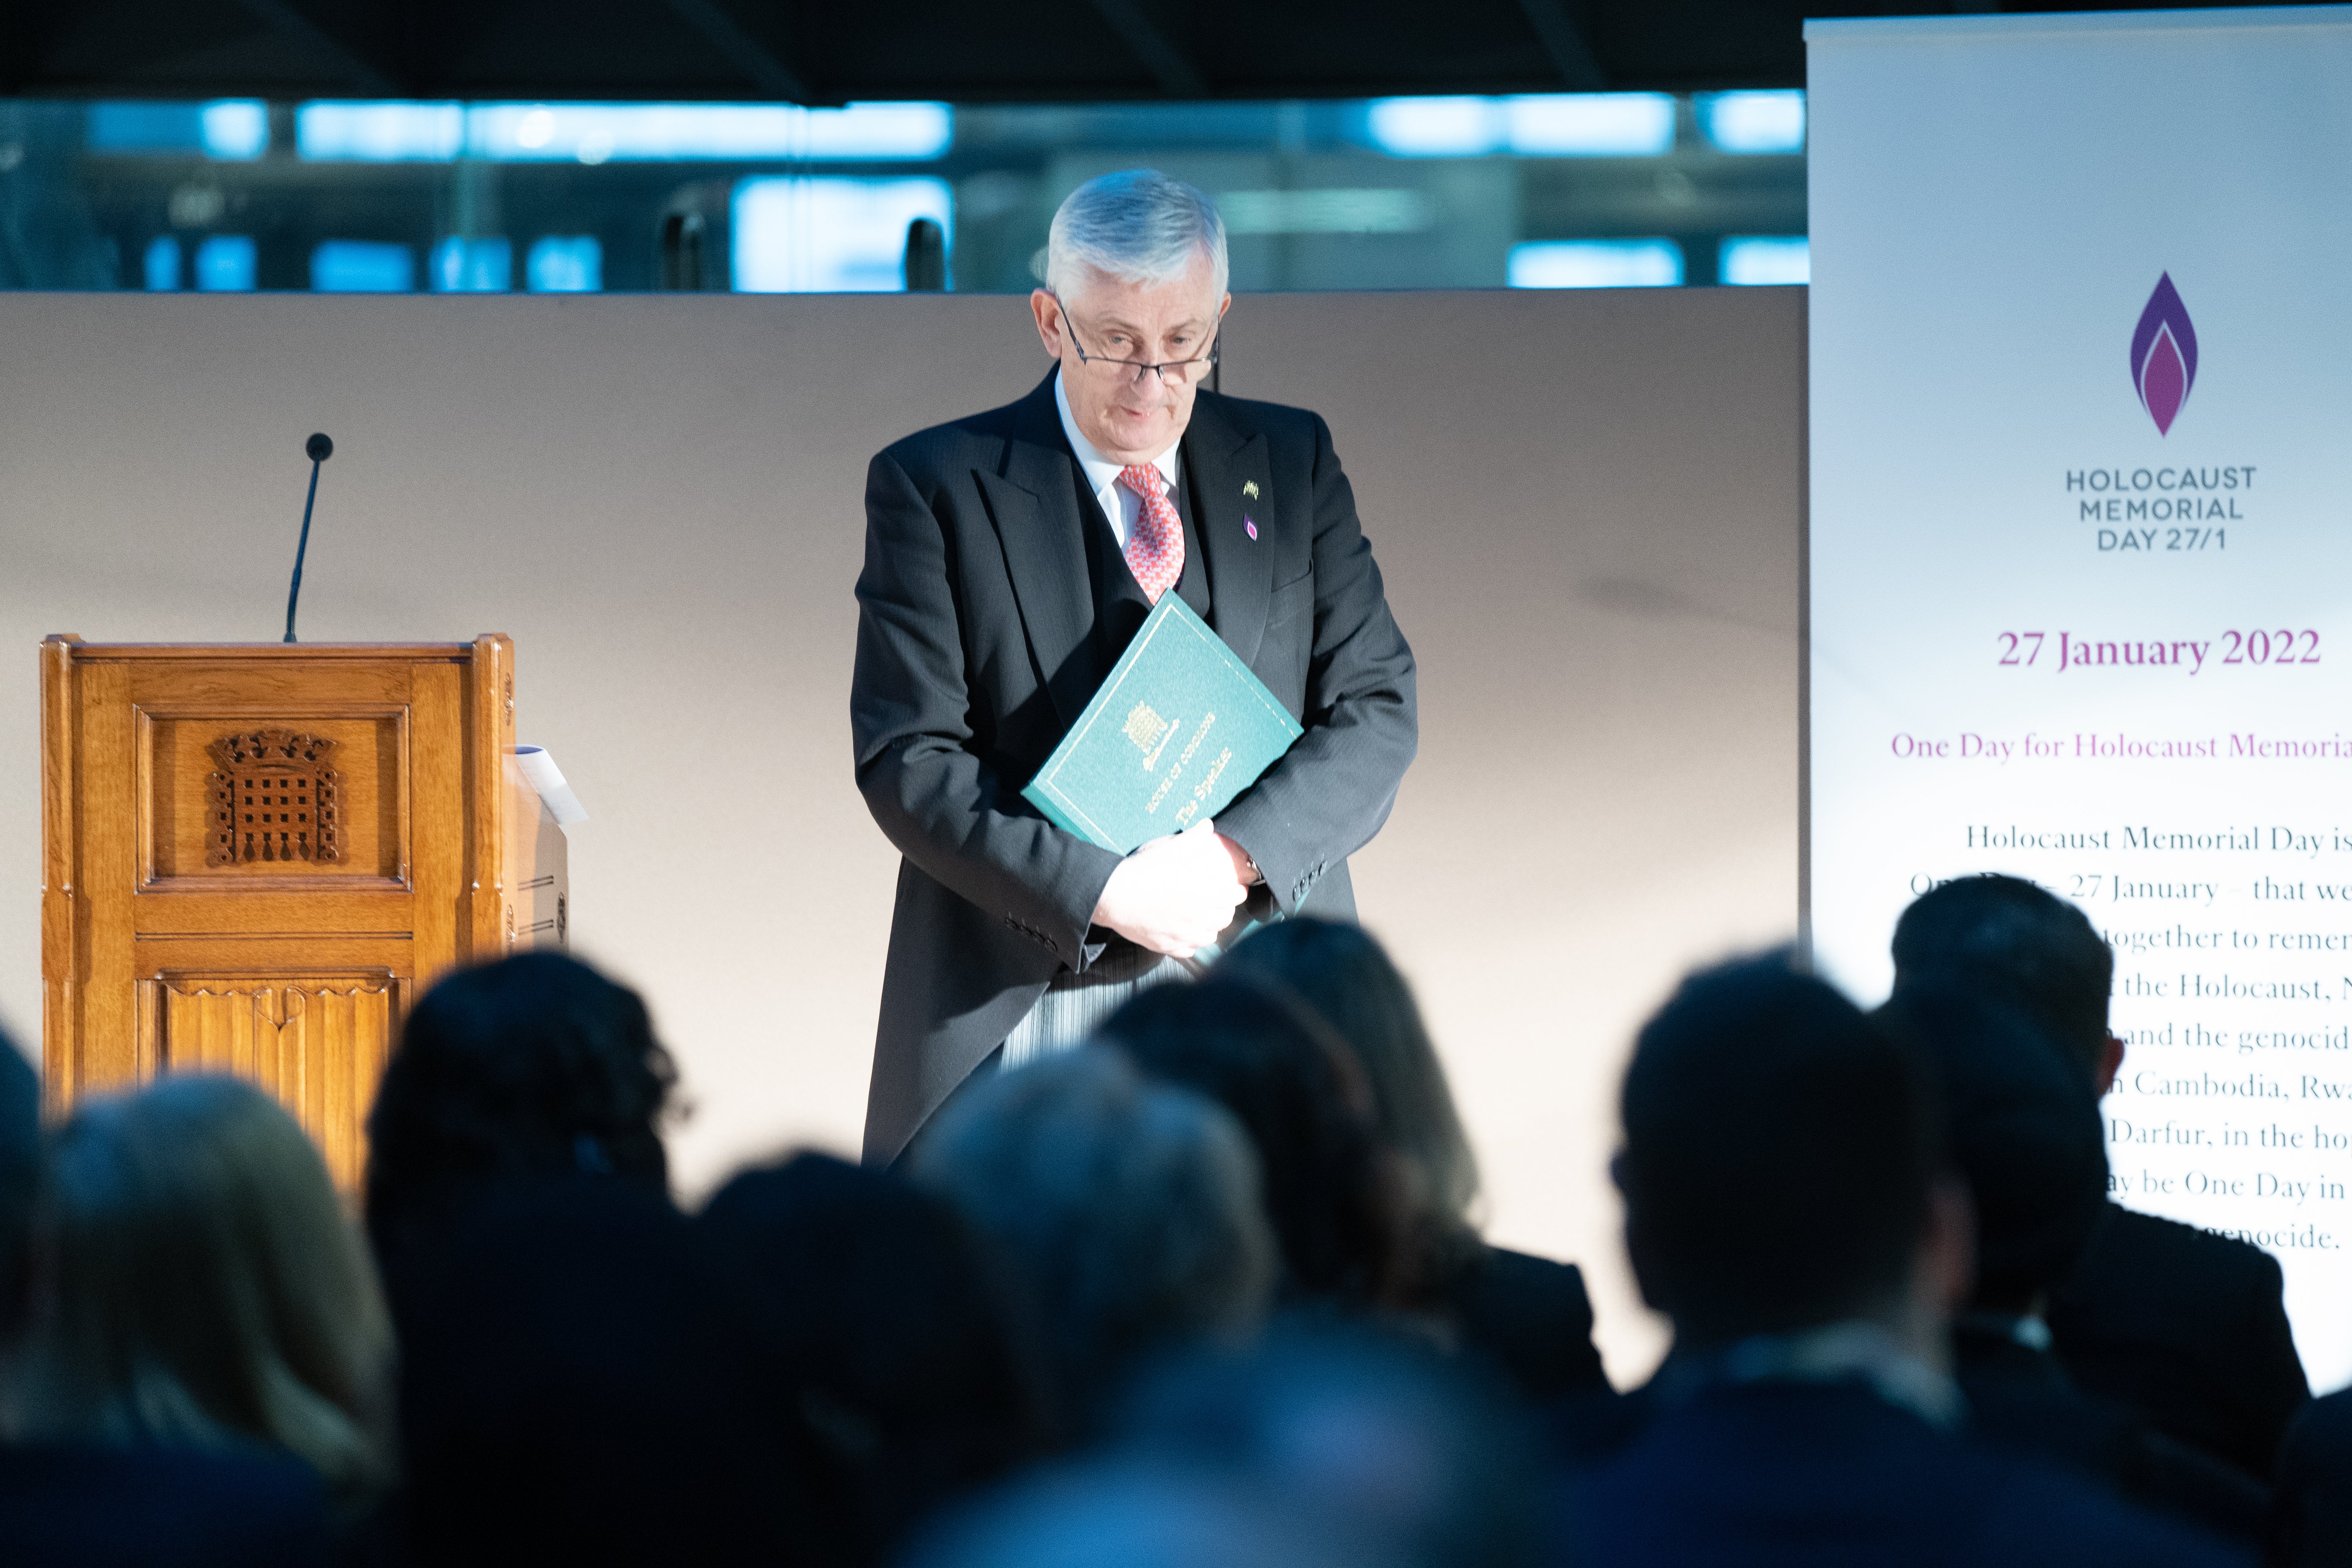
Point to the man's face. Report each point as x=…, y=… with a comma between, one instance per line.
x=1127, y=419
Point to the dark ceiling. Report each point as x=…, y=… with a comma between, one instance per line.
x=994, y=51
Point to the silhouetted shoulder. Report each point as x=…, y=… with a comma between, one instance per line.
x=2189, y=1327
x=1532, y=1317
x=1735, y=1476
x=2311, y=1517
x=2219, y=1260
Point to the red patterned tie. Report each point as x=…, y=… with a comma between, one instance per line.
x=1155, y=545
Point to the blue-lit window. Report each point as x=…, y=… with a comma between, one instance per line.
x=565, y=264
x=600, y=132
x=1596, y=264
x=1766, y=258
x=234, y=129
x=1536, y=125
x=1437, y=127
x=473, y=267
x=380, y=132
x=1754, y=121
x=227, y=263
x=362, y=267
x=1591, y=124
x=831, y=235
x=162, y=264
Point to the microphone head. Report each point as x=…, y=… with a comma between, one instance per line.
x=318, y=448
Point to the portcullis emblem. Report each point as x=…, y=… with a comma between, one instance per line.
x=1144, y=728
x=2164, y=355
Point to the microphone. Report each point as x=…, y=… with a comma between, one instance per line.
x=317, y=449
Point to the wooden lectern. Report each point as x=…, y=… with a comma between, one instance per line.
x=253, y=856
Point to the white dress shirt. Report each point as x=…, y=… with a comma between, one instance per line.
x=1120, y=505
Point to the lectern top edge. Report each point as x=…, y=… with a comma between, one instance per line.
x=281, y=652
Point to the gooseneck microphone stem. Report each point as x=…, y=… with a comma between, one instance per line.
x=318, y=449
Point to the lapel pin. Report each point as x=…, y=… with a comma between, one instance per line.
x=1249, y=488
x=1250, y=525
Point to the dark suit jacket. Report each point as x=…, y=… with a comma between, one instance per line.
x=1530, y=1317
x=2021, y=1399
x=2187, y=1327
x=1832, y=1477
x=977, y=649
x=2311, y=1526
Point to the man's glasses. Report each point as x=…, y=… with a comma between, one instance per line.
x=1182, y=371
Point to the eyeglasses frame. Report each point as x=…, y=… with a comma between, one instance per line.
x=1211, y=359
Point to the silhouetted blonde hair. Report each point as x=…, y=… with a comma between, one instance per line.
x=201, y=1286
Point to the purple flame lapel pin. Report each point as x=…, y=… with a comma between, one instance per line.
x=1250, y=524
x=2164, y=355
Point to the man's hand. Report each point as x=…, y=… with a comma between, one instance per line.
x=1174, y=894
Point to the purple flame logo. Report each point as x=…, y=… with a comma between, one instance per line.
x=2164, y=355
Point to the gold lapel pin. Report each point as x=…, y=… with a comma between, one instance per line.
x=1250, y=489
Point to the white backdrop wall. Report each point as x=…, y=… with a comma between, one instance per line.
x=1587, y=506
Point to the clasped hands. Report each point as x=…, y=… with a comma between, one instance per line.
x=1174, y=895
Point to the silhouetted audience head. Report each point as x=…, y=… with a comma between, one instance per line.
x=20, y=1165
x=199, y=1286
x=1780, y=1152
x=573, y=1390
x=2005, y=938
x=1343, y=973
x=1333, y=1192
x=2023, y=1127
x=535, y=1065
x=882, y=1334
x=1126, y=1211
x=1389, y=1447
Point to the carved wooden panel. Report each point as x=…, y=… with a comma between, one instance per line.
x=316, y=1042
x=308, y=800
x=274, y=798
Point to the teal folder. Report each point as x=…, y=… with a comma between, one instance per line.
x=1178, y=728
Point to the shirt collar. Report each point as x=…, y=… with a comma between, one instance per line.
x=1848, y=1352
x=1101, y=471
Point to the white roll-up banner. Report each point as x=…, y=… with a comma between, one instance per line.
x=2081, y=537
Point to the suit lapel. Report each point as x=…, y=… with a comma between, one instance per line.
x=1034, y=504
x=1233, y=492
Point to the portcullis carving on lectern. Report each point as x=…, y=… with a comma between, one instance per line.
x=273, y=798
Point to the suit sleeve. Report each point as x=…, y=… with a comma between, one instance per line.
x=950, y=812
x=1333, y=790
x=2276, y=1388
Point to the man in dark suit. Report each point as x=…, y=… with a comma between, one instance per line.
x=2022, y=1128
x=1010, y=557
x=1785, y=1207
x=2187, y=1327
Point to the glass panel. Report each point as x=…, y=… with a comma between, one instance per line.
x=395, y=196
x=1597, y=264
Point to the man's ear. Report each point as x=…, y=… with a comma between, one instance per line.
x=2110, y=1062
x=1048, y=311
x=1948, y=1244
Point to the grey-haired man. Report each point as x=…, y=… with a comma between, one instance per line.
x=1009, y=558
